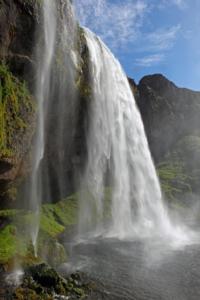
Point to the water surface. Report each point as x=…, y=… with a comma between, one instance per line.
x=137, y=270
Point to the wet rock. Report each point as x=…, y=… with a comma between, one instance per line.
x=18, y=23
x=17, y=123
x=43, y=282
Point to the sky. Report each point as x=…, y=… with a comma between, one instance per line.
x=149, y=36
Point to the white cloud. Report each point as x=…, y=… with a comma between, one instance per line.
x=156, y=45
x=161, y=39
x=149, y=60
x=179, y=3
x=122, y=23
x=117, y=23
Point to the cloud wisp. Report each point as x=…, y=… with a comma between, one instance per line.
x=156, y=44
x=149, y=60
x=179, y=3
x=161, y=39
x=123, y=25
x=115, y=22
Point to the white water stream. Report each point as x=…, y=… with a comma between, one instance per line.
x=117, y=150
x=117, y=146
x=55, y=81
x=44, y=63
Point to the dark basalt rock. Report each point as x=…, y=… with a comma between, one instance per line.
x=18, y=22
x=43, y=282
x=168, y=112
x=45, y=276
x=66, y=128
x=172, y=124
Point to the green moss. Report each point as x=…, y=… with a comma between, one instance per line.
x=56, y=217
x=8, y=243
x=8, y=213
x=21, y=294
x=83, y=82
x=14, y=239
x=54, y=220
x=15, y=100
x=48, y=223
x=80, y=292
x=43, y=282
x=180, y=172
x=174, y=180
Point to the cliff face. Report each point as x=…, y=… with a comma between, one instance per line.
x=171, y=117
x=20, y=31
x=169, y=113
x=18, y=21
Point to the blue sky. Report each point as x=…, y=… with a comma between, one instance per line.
x=149, y=36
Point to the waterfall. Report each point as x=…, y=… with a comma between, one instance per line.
x=55, y=94
x=119, y=156
x=44, y=63
x=119, y=176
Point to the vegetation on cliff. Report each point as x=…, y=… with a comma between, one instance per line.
x=179, y=171
x=163, y=107
x=15, y=104
x=55, y=219
x=171, y=119
x=169, y=113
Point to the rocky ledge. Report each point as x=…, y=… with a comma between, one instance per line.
x=40, y=281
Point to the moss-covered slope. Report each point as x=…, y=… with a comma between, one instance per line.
x=15, y=236
x=16, y=108
x=180, y=170
x=17, y=115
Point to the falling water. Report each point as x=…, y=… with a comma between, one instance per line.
x=55, y=94
x=118, y=155
x=117, y=150
x=44, y=63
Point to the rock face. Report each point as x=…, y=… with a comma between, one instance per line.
x=43, y=282
x=171, y=117
x=18, y=21
x=169, y=113
x=20, y=31
x=179, y=170
x=65, y=144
